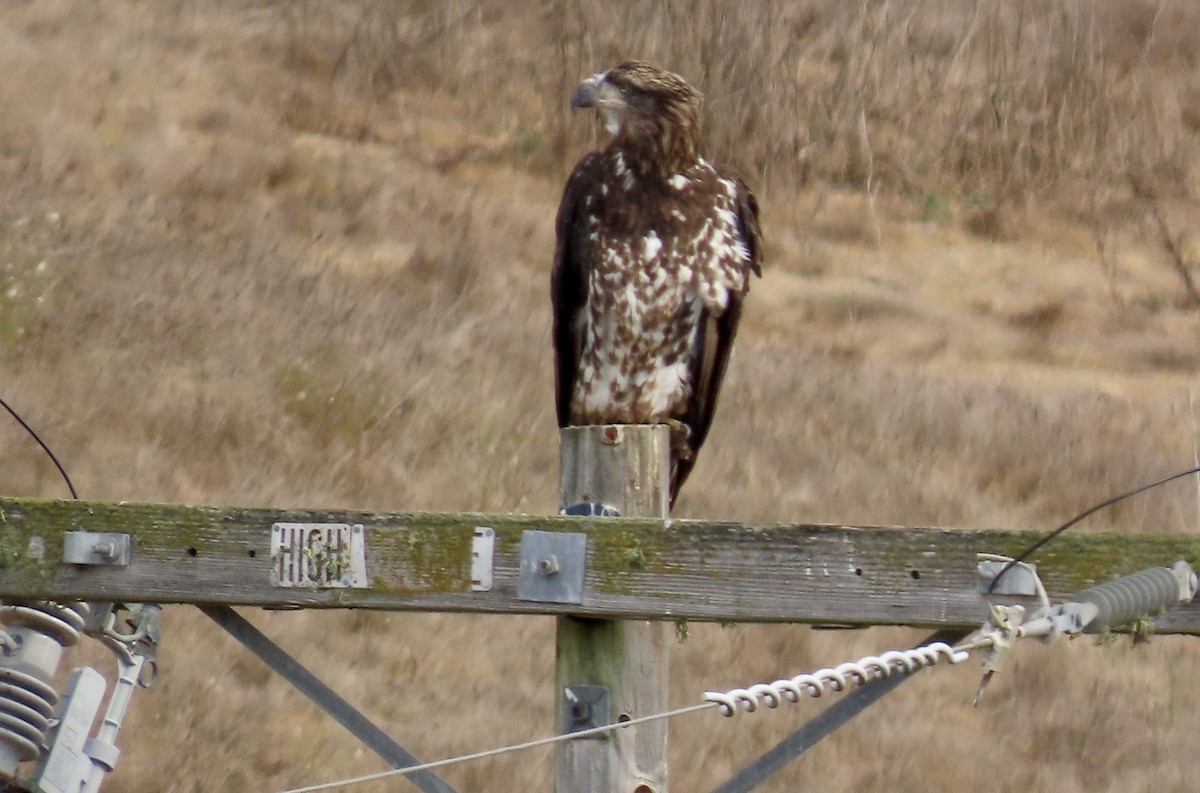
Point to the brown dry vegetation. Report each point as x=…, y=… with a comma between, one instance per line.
x=297, y=254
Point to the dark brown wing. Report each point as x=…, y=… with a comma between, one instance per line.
x=568, y=287
x=715, y=341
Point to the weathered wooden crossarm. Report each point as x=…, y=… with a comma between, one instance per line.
x=646, y=569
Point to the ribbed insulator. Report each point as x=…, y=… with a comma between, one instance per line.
x=62, y=622
x=26, y=705
x=35, y=635
x=1124, y=600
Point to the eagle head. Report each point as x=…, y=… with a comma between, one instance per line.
x=652, y=114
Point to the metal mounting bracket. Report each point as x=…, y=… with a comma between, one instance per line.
x=1021, y=579
x=585, y=707
x=552, y=567
x=96, y=548
x=483, y=547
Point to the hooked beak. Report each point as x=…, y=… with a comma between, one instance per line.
x=587, y=93
x=596, y=93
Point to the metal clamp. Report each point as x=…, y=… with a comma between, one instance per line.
x=1019, y=579
x=998, y=635
x=1109, y=605
x=96, y=548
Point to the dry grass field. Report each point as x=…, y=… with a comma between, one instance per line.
x=298, y=254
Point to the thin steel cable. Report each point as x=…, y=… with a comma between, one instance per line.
x=977, y=643
x=966, y=646
x=570, y=736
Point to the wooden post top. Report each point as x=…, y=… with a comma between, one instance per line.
x=625, y=466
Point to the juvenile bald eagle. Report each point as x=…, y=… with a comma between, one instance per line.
x=654, y=254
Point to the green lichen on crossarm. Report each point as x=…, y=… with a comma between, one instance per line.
x=178, y=527
x=718, y=570
x=172, y=525
x=1142, y=629
x=617, y=547
x=31, y=538
x=1079, y=559
x=1072, y=562
x=424, y=558
x=621, y=546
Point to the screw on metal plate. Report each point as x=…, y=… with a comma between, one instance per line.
x=552, y=567
x=96, y=548
x=585, y=707
x=319, y=555
x=483, y=546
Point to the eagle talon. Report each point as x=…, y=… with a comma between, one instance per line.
x=681, y=433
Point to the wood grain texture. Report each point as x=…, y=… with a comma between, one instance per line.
x=636, y=568
x=622, y=465
x=626, y=467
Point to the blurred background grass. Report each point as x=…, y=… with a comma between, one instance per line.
x=297, y=254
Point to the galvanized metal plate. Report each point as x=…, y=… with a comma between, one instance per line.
x=552, y=567
x=319, y=556
x=96, y=548
x=483, y=549
x=584, y=708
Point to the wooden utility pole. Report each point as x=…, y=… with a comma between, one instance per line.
x=609, y=670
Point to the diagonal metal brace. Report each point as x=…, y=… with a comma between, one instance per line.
x=326, y=698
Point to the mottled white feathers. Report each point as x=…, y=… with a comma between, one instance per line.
x=654, y=255
x=644, y=300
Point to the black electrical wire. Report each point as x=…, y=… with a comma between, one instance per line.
x=45, y=448
x=1023, y=555
x=1004, y=570
x=275, y=657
